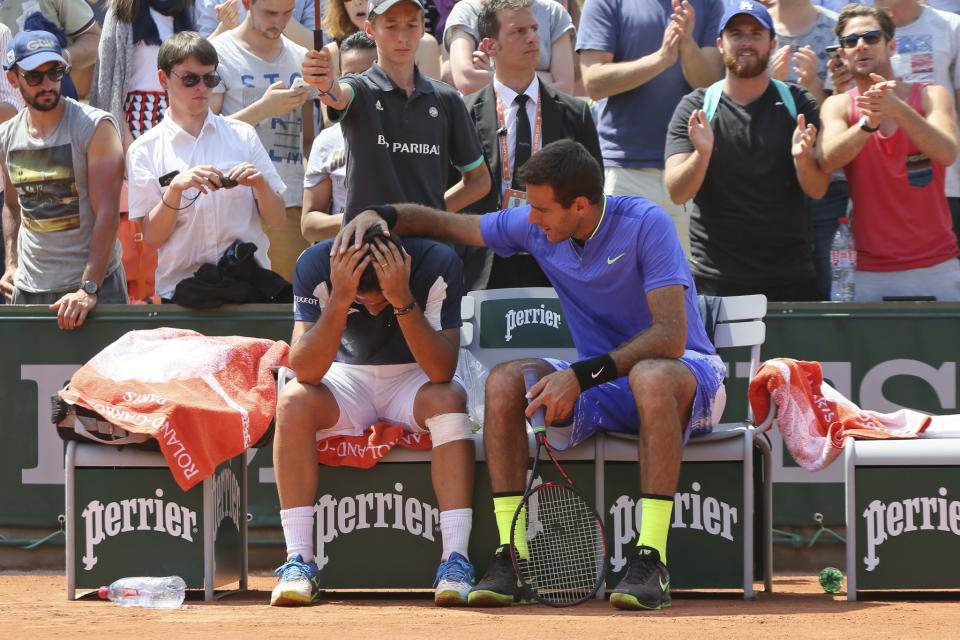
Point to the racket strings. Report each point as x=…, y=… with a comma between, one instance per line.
x=565, y=546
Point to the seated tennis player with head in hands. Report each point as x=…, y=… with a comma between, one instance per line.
x=375, y=338
x=646, y=365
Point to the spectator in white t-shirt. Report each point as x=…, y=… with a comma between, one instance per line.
x=324, y=184
x=259, y=66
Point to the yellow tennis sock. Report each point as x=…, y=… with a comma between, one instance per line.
x=655, y=524
x=504, y=508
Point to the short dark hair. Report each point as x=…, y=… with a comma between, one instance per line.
x=183, y=45
x=368, y=279
x=359, y=41
x=567, y=167
x=852, y=11
x=488, y=24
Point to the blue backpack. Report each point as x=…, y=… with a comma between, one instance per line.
x=712, y=98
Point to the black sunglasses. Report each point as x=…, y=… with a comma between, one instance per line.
x=34, y=78
x=870, y=37
x=191, y=79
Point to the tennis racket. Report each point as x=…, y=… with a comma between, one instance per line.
x=557, y=541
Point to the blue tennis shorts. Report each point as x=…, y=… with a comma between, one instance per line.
x=611, y=407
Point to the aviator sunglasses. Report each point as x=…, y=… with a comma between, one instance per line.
x=210, y=80
x=870, y=37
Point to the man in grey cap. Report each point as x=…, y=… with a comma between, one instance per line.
x=59, y=234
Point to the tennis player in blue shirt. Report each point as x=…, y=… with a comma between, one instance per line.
x=645, y=363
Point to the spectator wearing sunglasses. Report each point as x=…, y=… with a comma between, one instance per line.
x=199, y=181
x=894, y=140
x=59, y=234
x=928, y=50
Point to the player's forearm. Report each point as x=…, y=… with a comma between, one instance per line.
x=432, y=351
x=605, y=79
x=661, y=340
x=701, y=66
x=684, y=180
x=418, y=220
x=313, y=353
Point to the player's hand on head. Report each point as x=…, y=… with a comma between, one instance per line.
x=392, y=266
x=556, y=392
x=351, y=234
x=345, y=271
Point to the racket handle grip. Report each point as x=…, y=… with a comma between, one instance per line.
x=317, y=39
x=530, y=377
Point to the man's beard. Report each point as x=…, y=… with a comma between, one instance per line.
x=36, y=103
x=749, y=70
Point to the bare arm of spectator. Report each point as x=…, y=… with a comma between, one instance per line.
x=602, y=77
x=228, y=15
x=473, y=185
x=812, y=179
x=839, y=142
x=11, y=229
x=701, y=66
x=82, y=50
x=470, y=74
x=561, y=64
x=299, y=33
x=935, y=134
x=428, y=56
x=316, y=223
x=105, y=170
x=320, y=70
x=269, y=202
x=276, y=101
x=684, y=172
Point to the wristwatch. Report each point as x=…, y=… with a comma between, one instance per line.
x=865, y=125
x=90, y=287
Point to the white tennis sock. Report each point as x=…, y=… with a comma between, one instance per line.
x=455, y=527
x=297, y=526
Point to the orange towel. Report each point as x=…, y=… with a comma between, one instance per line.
x=814, y=419
x=366, y=450
x=205, y=399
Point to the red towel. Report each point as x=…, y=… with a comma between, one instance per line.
x=205, y=399
x=814, y=419
x=366, y=450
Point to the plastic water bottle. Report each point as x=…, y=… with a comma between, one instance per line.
x=151, y=593
x=843, y=263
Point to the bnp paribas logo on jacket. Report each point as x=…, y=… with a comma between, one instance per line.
x=886, y=521
x=523, y=323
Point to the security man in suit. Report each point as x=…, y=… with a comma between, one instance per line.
x=516, y=115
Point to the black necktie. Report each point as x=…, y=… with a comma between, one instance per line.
x=522, y=148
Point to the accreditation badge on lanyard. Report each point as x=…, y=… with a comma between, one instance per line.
x=513, y=198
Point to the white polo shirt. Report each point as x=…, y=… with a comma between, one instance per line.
x=207, y=227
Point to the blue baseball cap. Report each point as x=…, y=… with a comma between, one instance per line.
x=749, y=8
x=30, y=49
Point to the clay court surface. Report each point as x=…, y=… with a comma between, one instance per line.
x=34, y=607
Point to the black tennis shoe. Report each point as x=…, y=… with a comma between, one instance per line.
x=499, y=586
x=646, y=585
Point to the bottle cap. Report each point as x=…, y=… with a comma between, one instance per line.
x=843, y=220
x=103, y=593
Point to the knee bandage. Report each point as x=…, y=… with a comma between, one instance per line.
x=448, y=427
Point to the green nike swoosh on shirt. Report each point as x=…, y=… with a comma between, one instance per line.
x=612, y=260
